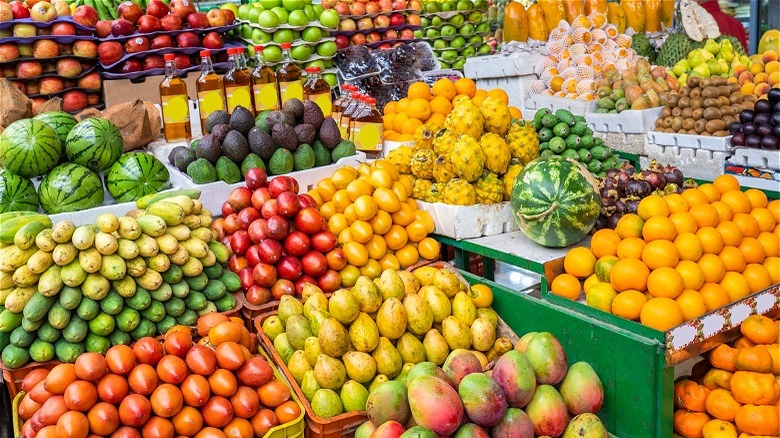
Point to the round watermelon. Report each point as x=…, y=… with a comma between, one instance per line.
x=61, y=121
x=17, y=193
x=555, y=201
x=29, y=148
x=70, y=187
x=94, y=143
x=134, y=175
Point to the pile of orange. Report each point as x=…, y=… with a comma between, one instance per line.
x=425, y=105
x=739, y=396
x=680, y=256
x=376, y=221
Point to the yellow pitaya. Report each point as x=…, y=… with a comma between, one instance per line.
x=401, y=157
x=523, y=141
x=497, y=154
x=509, y=179
x=465, y=118
x=489, y=189
x=468, y=158
x=423, y=138
x=420, y=188
x=443, y=170
x=435, y=193
x=459, y=192
x=443, y=142
x=422, y=163
x=497, y=116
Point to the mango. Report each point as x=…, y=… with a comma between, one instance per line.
x=471, y=430
x=343, y=306
x=411, y=349
x=585, y=426
x=436, y=348
x=417, y=432
x=388, y=402
x=427, y=369
x=547, y=357
x=514, y=373
x=378, y=380
x=391, y=318
x=483, y=399
x=391, y=429
x=435, y=405
x=581, y=389
x=459, y=364
x=523, y=342
x=547, y=411
x=404, y=373
x=514, y=424
x=364, y=334
x=365, y=430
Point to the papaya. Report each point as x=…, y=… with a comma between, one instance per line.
x=635, y=14
x=617, y=16
x=652, y=15
x=515, y=23
x=667, y=12
x=537, y=25
x=592, y=6
x=554, y=12
x=573, y=8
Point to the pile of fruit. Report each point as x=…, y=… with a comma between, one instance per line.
x=739, y=391
x=456, y=30
x=339, y=348
x=31, y=148
x=680, y=256
x=297, y=137
x=703, y=106
x=760, y=75
x=377, y=223
x=162, y=388
x=380, y=24
x=278, y=238
x=517, y=398
x=68, y=289
x=759, y=127
x=637, y=88
x=714, y=58
x=472, y=155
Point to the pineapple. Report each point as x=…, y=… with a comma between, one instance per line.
x=467, y=158
x=401, y=157
x=435, y=192
x=423, y=138
x=459, y=192
x=443, y=142
x=422, y=163
x=497, y=116
x=497, y=154
x=523, y=141
x=443, y=170
x=509, y=179
x=489, y=189
x=465, y=118
x=420, y=188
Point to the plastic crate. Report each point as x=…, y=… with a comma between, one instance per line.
x=465, y=222
x=13, y=377
x=15, y=419
x=711, y=143
x=626, y=122
x=295, y=428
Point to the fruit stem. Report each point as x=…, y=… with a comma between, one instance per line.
x=541, y=215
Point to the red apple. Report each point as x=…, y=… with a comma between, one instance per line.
x=187, y=39
x=372, y=8
x=156, y=8
x=103, y=28
x=342, y=8
x=130, y=12
x=373, y=37
x=25, y=30
x=385, y=5
x=357, y=9
x=406, y=34
x=85, y=49
x=391, y=34
x=384, y=46
x=342, y=41
x=182, y=61
x=9, y=52
x=289, y=268
x=347, y=24
x=365, y=23
x=229, y=15
x=45, y=49
x=154, y=61
x=74, y=100
x=20, y=86
x=137, y=44
x=62, y=7
x=10, y=72
x=63, y=29
x=149, y=24
x=68, y=67
x=213, y=41
x=297, y=243
x=198, y=20
x=43, y=11
x=182, y=8
x=6, y=13
x=93, y=99
x=172, y=22
x=52, y=85
x=217, y=17
x=415, y=5
x=33, y=88
x=161, y=41
x=413, y=20
x=358, y=39
x=397, y=20
x=90, y=81
x=19, y=10
x=381, y=21
x=399, y=5
x=86, y=16
x=28, y=69
x=69, y=83
x=122, y=27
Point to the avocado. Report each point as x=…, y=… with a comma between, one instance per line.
x=235, y=146
x=242, y=120
x=344, y=149
x=281, y=162
x=279, y=117
x=261, y=143
x=295, y=108
x=227, y=170
x=202, y=171
x=181, y=157
x=303, y=158
x=209, y=148
x=220, y=132
x=321, y=154
x=250, y=162
x=312, y=114
x=261, y=121
x=216, y=118
x=329, y=133
x=284, y=135
x=305, y=133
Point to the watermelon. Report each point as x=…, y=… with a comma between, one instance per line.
x=29, y=148
x=17, y=193
x=94, y=143
x=70, y=187
x=555, y=201
x=134, y=175
x=61, y=121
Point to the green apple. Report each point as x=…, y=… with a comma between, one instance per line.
x=272, y=53
x=448, y=31
x=459, y=64
x=474, y=39
x=257, y=6
x=480, y=4
x=425, y=22
x=328, y=48
x=315, y=63
x=300, y=53
x=448, y=6
x=243, y=12
x=282, y=14
x=483, y=27
x=231, y=6
x=432, y=33
x=270, y=4
x=475, y=17
x=292, y=5
x=458, y=42
x=250, y=51
x=296, y=34
x=330, y=19
x=307, y=2
x=331, y=79
x=468, y=52
x=484, y=49
x=457, y=20
x=245, y=30
x=467, y=29
x=318, y=9
x=309, y=10
x=311, y=34
x=464, y=5
x=298, y=18
x=253, y=15
x=268, y=19
x=443, y=65
x=440, y=44
x=260, y=36
x=449, y=55
x=283, y=36
x=432, y=7
x=418, y=34
x=328, y=63
x=437, y=21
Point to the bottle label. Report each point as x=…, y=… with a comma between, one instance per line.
x=324, y=101
x=175, y=109
x=291, y=90
x=210, y=101
x=238, y=96
x=266, y=96
x=367, y=136
x=344, y=126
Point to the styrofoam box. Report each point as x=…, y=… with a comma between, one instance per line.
x=388, y=146
x=576, y=106
x=466, y=222
x=693, y=162
x=627, y=122
x=215, y=193
x=620, y=141
x=711, y=143
x=510, y=73
x=760, y=158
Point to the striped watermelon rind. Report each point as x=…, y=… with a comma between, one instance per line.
x=70, y=187
x=60, y=121
x=555, y=201
x=29, y=148
x=17, y=193
x=135, y=175
x=94, y=143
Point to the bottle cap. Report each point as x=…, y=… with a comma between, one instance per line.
x=356, y=95
x=205, y=53
x=312, y=69
x=370, y=101
x=169, y=56
x=258, y=48
x=286, y=45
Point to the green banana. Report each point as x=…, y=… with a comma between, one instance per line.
x=11, y=226
x=146, y=201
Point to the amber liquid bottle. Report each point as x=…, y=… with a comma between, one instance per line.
x=238, y=86
x=288, y=77
x=341, y=102
x=211, y=94
x=174, y=103
x=264, y=86
x=243, y=61
x=344, y=122
x=368, y=127
x=318, y=91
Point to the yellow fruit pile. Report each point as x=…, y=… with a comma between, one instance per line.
x=762, y=75
x=377, y=223
x=681, y=256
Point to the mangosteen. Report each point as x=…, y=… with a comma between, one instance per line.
x=735, y=127
x=639, y=188
x=620, y=207
x=769, y=142
x=673, y=175
x=612, y=173
x=753, y=141
x=738, y=139
x=773, y=95
x=764, y=129
x=746, y=116
x=762, y=106
x=762, y=118
x=749, y=128
x=612, y=221
x=601, y=223
x=632, y=205
x=609, y=194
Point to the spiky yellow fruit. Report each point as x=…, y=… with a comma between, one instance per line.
x=435, y=193
x=443, y=142
x=496, y=151
x=509, y=179
x=523, y=141
x=423, y=138
x=443, y=170
x=459, y=192
x=497, y=116
x=468, y=158
x=422, y=163
x=401, y=157
x=489, y=189
x=420, y=188
x=465, y=118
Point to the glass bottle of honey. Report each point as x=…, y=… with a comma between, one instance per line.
x=318, y=91
x=341, y=102
x=211, y=93
x=344, y=122
x=237, y=83
x=175, y=103
x=288, y=77
x=368, y=127
x=264, y=86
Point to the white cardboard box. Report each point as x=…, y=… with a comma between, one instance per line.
x=465, y=222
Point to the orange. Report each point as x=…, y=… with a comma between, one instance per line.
x=730, y=233
x=411, y=125
x=629, y=274
x=757, y=277
x=736, y=286
x=601, y=296
x=766, y=222
x=772, y=264
x=436, y=120
x=689, y=246
x=400, y=106
x=567, y=286
x=759, y=329
x=658, y=227
x=589, y=282
x=747, y=224
x=714, y=295
x=676, y=203
x=752, y=250
x=691, y=273
x=419, y=109
x=630, y=225
x=399, y=121
x=466, y=86
x=630, y=248
x=711, y=240
x=440, y=105
x=738, y=201
x=721, y=405
x=691, y=304
x=387, y=123
x=695, y=196
x=429, y=248
x=774, y=208
x=712, y=192
x=706, y=215
x=724, y=183
x=664, y=282
x=661, y=314
x=390, y=107
x=628, y=304
x=690, y=424
x=758, y=420
x=659, y=253
x=713, y=268
x=419, y=90
x=690, y=395
x=683, y=221
x=579, y=262
x=757, y=198
x=733, y=259
x=444, y=87
x=500, y=95
x=724, y=211
x=604, y=242
x=651, y=206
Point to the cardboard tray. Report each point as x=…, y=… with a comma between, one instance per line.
x=466, y=222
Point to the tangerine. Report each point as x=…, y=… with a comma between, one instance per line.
x=590, y=281
x=709, y=190
x=736, y=286
x=441, y=105
x=683, y=222
x=711, y=240
x=691, y=273
x=419, y=90
x=604, y=266
x=579, y=262
x=658, y=227
x=661, y=314
x=676, y=203
x=444, y=87
x=604, y=242
x=601, y=296
x=629, y=274
x=567, y=286
x=630, y=248
x=695, y=196
x=715, y=296
x=757, y=277
x=706, y=215
x=747, y=224
x=737, y=200
x=733, y=259
x=629, y=225
x=688, y=246
x=660, y=253
x=712, y=267
x=724, y=211
x=628, y=304
x=765, y=220
x=730, y=233
x=772, y=264
x=759, y=329
x=652, y=206
x=726, y=182
x=774, y=208
x=664, y=282
x=466, y=86
x=499, y=94
x=690, y=424
x=691, y=304
x=721, y=405
x=419, y=109
x=752, y=250
x=757, y=198
x=436, y=120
